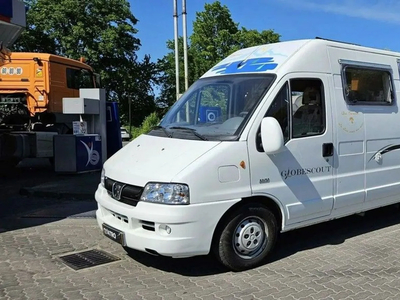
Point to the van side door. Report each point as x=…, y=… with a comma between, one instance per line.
x=300, y=177
x=368, y=139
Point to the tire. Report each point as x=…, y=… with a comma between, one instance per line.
x=246, y=238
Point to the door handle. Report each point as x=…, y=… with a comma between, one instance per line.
x=327, y=149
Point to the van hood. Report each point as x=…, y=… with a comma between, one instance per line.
x=157, y=159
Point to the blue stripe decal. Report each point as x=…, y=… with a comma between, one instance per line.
x=251, y=65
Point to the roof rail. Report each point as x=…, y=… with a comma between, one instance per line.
x=320, y=38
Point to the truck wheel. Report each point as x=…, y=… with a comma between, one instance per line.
x=246, y=238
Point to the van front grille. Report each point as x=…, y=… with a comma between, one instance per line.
x=125, y=193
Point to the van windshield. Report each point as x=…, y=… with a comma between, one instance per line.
x=215, y=108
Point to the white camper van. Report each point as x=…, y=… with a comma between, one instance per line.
x=272, y=138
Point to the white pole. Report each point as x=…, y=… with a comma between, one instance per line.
x=176, y=48
x=185, y=56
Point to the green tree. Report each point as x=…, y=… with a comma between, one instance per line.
x=215, y=35
x=103, y=32
x=248, y=38
x=166, y=77
x=148, y=124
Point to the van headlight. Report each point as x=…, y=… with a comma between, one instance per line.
x=102, y=177
x=166, y=193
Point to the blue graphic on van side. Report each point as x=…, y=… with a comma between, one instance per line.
x=252, y=65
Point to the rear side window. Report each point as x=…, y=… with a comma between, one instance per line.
x=71, y=81
x=367, y=85
x=79, y=78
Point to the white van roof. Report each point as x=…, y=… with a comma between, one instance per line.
x=269, y=58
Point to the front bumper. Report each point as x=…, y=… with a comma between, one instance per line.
x=144, y=226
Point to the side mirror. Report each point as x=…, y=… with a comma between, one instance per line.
x=271, y=136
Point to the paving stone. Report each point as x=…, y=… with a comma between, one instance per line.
x=95, y=295
x=364, y=264
x=210, y=297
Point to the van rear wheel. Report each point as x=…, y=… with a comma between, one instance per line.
x=246, y=238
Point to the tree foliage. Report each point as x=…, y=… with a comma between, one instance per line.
x=148, y=124
x=215, y=35
x=166, y=77
x=103, y=32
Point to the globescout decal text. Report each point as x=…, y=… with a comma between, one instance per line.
x=297, y=172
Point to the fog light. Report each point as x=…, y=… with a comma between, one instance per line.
x=165, y=228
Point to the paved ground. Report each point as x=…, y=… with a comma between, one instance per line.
x=352, y=258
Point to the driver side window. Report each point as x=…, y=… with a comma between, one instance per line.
x=280, y=110
x=308, y=107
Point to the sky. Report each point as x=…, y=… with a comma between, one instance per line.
x=372, y=23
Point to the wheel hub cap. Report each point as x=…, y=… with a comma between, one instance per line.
x=249, y=237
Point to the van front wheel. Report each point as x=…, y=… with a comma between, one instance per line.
x=246, y=238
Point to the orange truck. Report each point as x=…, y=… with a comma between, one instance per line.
x=32, y=86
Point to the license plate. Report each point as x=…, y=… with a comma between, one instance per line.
x=114, y=234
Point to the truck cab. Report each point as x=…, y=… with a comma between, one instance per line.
x=32, y=86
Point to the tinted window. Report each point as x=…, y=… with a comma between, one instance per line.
x=79, y=78
x=367, y=86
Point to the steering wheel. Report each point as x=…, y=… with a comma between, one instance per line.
x=243, y=114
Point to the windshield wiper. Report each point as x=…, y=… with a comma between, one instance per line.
x=163, y=129
x=200, y=136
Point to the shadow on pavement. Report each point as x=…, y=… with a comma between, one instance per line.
x=52, y=196
x=29, y=172
x=192, y=266
x=36, y=177
x=23, y=212
x=329, y=233
x=334, y=232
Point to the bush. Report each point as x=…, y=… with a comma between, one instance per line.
x=149, y=122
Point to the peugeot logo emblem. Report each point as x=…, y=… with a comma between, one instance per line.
x=116, y=190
